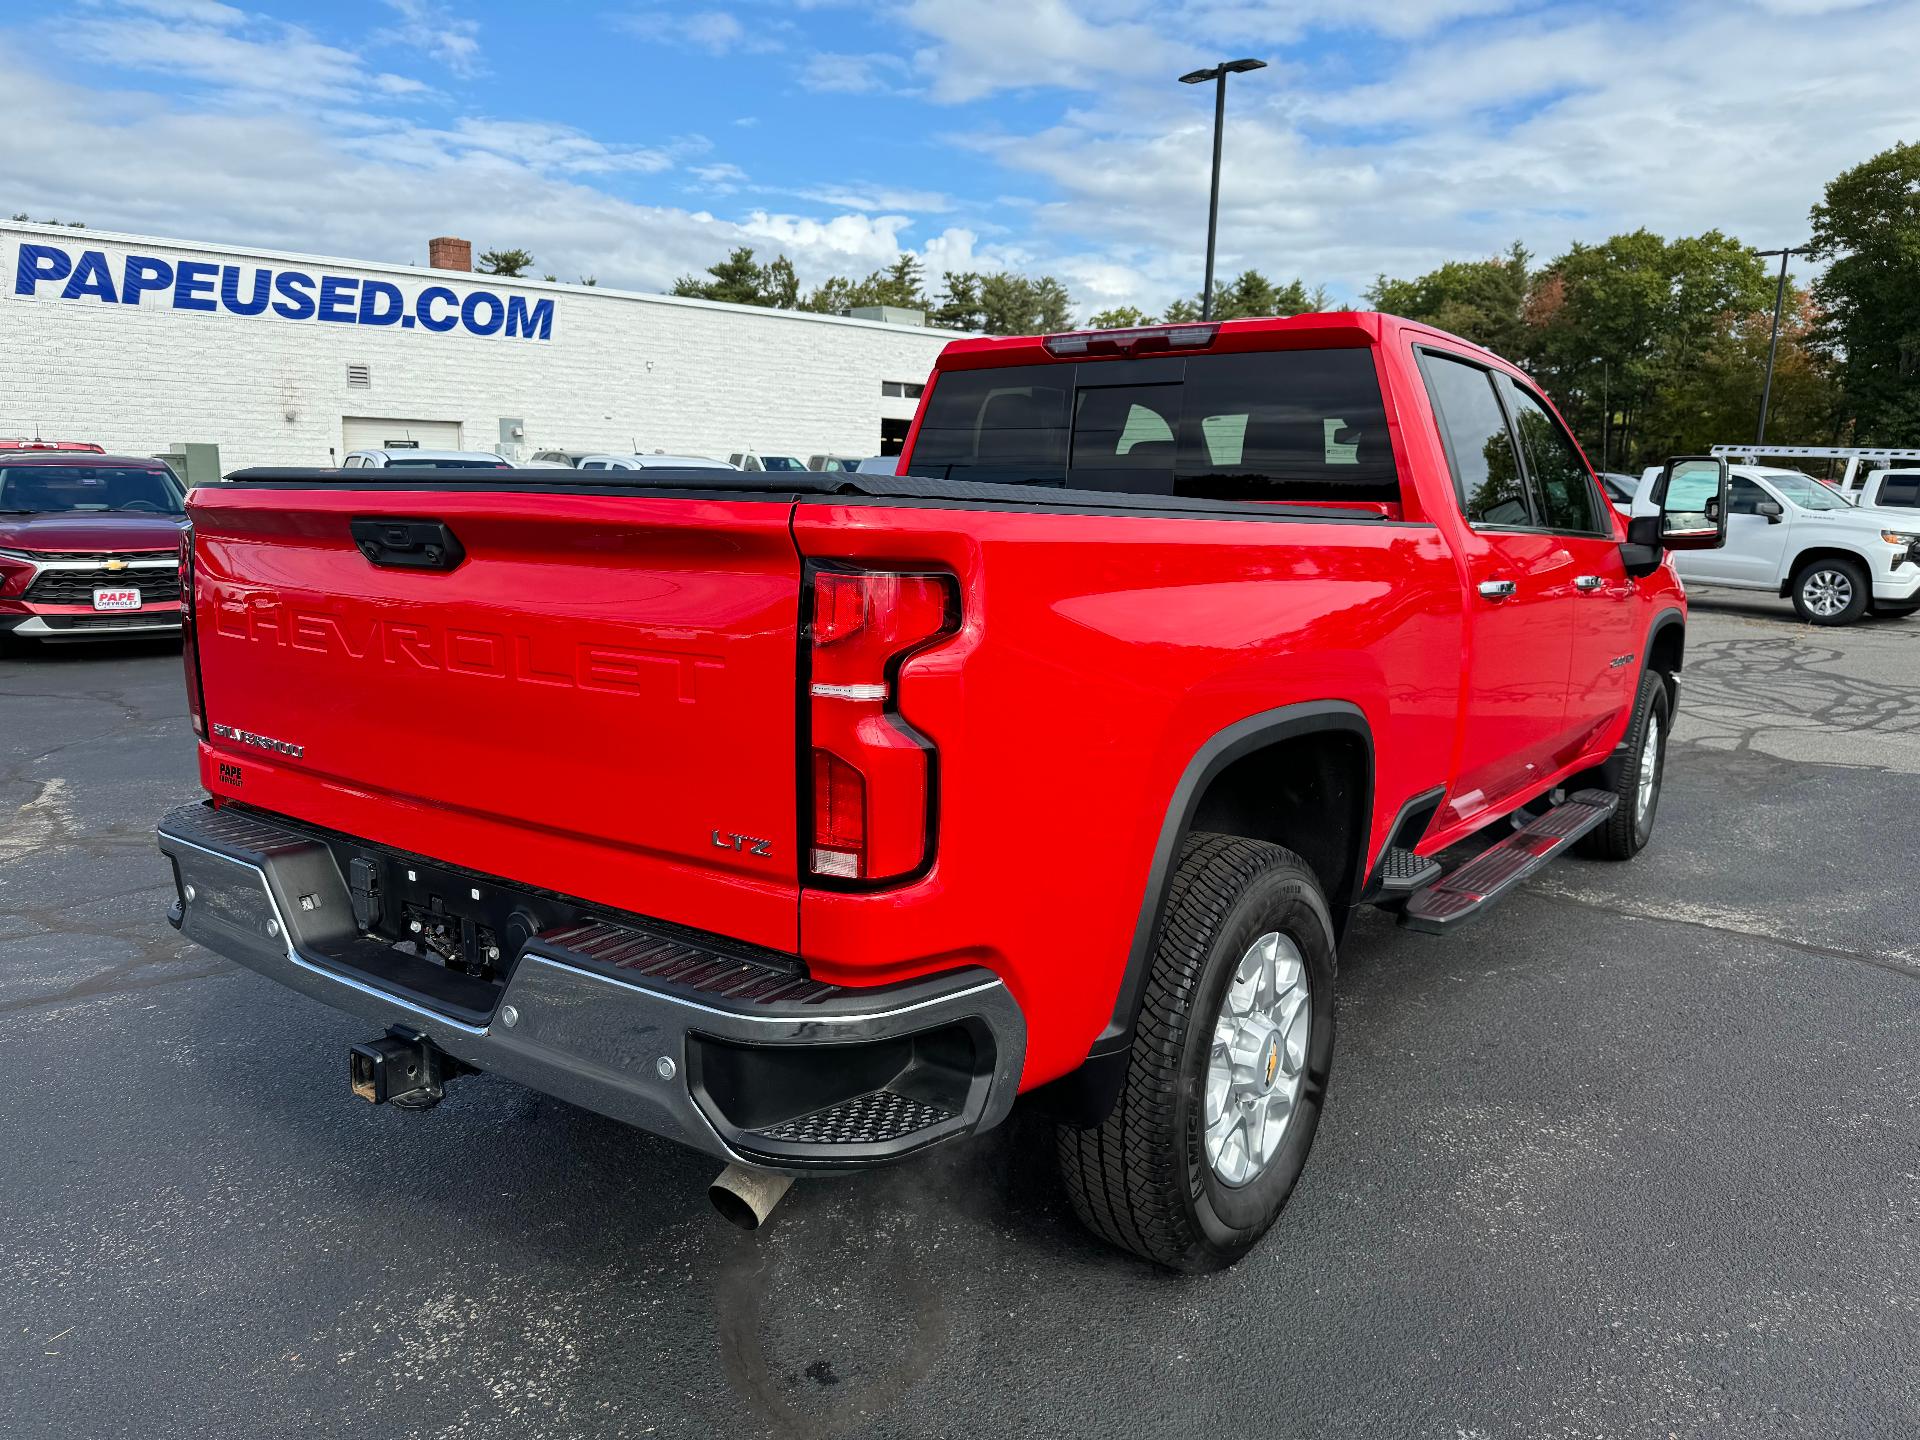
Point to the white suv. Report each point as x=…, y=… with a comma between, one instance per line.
x=1790, y=535
x=396, y=459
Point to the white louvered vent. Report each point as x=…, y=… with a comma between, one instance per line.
x=359, y=377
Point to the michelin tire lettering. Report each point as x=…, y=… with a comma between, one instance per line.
x=287, y=294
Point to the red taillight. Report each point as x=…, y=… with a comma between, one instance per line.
x=839, y=818
x=189, y=640
x=872, y=774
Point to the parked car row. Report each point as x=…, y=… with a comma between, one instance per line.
x=751, y=461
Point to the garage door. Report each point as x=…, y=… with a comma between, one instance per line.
x=365, y=434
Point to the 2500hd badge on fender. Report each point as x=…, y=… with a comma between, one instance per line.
x=1279, y=610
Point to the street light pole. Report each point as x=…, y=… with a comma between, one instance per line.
x=1218, y=74
x=1773, y=343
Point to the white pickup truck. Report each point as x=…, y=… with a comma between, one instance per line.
x=1889, y=490
x=1790, y=535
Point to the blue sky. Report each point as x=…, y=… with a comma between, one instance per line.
x=638, y=141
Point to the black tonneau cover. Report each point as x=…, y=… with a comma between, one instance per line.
x=787, y=485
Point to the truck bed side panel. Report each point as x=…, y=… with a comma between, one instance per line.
x=1098, y=654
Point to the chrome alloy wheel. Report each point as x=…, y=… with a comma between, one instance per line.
x=1649, y=770
x=1259, y=1059
x=1827, y=592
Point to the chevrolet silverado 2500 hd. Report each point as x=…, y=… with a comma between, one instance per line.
x=807, y=818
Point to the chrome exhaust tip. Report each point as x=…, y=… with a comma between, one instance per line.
x=747, y=1197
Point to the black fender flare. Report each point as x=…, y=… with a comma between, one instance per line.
x=1669, y=618
x=1086, y=1095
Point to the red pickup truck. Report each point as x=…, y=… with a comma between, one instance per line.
x=807, y=819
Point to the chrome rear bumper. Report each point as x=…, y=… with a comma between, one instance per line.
x=739, y=1058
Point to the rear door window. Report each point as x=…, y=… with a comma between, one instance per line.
x=1480, y=449
x=1276, y=425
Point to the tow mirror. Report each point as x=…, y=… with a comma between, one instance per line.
x=1685, y=508
x=1772, y=509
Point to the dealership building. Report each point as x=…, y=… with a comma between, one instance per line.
x=144, y=344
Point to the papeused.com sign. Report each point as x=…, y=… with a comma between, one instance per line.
x=284, y=294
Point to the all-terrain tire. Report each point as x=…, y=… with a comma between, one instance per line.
x=1141, y=1179
x=1630, y=826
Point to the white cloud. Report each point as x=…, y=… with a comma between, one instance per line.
x=436, y=30
x=1544, y=131
x=876, y=197
x=983, y=46
x=717, y=32
x=721, y=178
x=537, y=145
x=829, y=73
x=217, y=46
x=376, y=189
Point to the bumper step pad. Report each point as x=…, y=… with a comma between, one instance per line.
x=879, y=1117
x=1465, y=892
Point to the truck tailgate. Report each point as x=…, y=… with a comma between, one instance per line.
x=598, y=699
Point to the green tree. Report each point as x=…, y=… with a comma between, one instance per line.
x=901, y=284
x=958, y=307
x=1868, y=230
x=1251, y=295
x=1052, y=306
x=1484, y=301
x=779, y=286
x=735, y=280
x=505, y=262
x=1120, y=317
x=1720, y=397
x=1623, y=326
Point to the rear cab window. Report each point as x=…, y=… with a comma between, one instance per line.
x=1279, y=425
x=1902, y=491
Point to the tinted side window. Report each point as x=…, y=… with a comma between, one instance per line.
x=1743, y=496
x=1900, y=490
x=1486, y=471
x=1559, y=474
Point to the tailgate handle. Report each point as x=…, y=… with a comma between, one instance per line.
x=408, y=544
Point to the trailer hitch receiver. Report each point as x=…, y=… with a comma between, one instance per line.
x=403, y=1068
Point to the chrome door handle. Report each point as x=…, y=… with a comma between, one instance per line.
x=1497, y=589
x=1587, y=582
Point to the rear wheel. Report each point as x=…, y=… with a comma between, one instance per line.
x=1228, y=1067
x=1637, y=772
x=1831, y=591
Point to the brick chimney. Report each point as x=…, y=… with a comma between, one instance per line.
x=446, y=252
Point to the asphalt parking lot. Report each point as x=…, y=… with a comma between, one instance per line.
x=1638, y=1154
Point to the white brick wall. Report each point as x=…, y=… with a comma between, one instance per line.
x=681, y=375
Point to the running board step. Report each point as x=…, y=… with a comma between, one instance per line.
x=1465, y=892
x=1402, y=872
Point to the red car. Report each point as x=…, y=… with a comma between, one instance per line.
x=89, y=545
x=809, y=818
